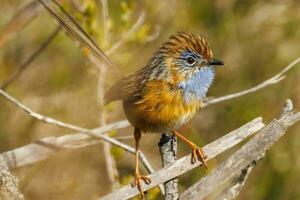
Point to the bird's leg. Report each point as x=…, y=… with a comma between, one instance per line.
x=197, y=152
x=137, y=176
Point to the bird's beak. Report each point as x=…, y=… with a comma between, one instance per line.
x=214, y=61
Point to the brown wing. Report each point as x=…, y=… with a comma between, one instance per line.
x=122, y=89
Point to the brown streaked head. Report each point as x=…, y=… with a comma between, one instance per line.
x=187, y=42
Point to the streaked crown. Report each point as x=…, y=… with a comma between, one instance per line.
x=187, y=42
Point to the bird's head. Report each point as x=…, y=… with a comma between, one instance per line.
x=187, y=54
x=190, y=60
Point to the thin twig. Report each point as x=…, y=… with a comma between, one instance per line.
x=126, y=36
x=273, y=80
x=23, y=66
x=105, y=16
x=124, y=137
x=46, y=147
x=154, y=35
x=22, y=18
x=183, y=165
x=111, y=166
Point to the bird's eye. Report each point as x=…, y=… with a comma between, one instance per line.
x=190, y=60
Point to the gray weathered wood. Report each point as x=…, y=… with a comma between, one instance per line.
x=184, y=164
x=253, y=150
x=168, y=152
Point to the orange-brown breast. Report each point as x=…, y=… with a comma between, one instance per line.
x=161, y=107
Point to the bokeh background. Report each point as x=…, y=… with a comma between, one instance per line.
x=256, y=39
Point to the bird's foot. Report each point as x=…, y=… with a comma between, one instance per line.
x=136, y=182
x=198, y=153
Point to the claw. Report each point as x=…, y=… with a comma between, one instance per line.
x=197, y=153
x=136, y=182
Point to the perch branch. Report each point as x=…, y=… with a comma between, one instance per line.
x=168, y=151
x=183, y=165
x=273, y=80
x=252, y=151
x=23, y=66
x=22, y=17
x=217, y=100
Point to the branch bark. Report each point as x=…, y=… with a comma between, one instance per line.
x=184, y=165
x=9, y=186
x=252, y=151
x=48, y=146
x=168, y=151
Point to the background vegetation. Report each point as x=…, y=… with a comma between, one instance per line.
x=255, y=39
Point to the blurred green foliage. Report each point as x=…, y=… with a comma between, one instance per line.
x=255, y=38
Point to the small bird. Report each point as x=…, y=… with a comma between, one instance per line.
x=167, y=92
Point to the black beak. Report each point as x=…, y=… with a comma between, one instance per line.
x=215, y=62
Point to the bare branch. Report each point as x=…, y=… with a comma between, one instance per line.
x=69, y=24
x=237, y=183
x=273, y=80
x=23, y=66
x=45, y=147
x=183, y=165
x=22, y=18
x=110, y=162
x=252, y=151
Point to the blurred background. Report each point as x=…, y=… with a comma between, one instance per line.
x=256, y=39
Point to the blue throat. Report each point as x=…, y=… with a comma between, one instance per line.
x=197, y=86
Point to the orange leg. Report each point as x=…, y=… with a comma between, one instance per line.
x=197, y=152
x=137, y=176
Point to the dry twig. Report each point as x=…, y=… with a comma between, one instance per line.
x=45, y=147
x=110, y=162
x=273, y=80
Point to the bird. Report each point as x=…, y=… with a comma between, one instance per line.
x=166, y=93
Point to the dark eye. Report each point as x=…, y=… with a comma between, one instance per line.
x=190, y=60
